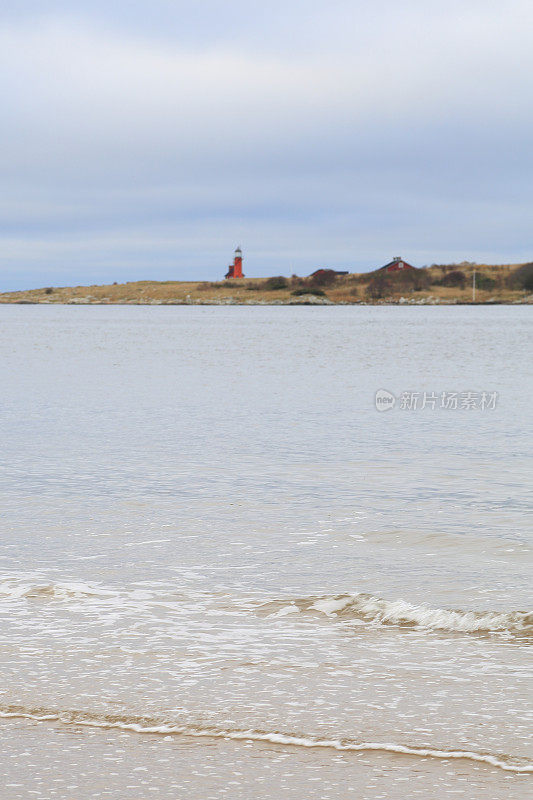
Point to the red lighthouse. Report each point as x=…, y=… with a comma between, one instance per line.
x=235, y=269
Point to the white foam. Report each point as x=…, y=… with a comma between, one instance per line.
x=365, y=608
x=400, y=612
x=290, y=609
x=509, y=765
x=58, y=591
x=330, y=606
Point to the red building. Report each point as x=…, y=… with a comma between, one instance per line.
x=235, y=269
x=396, y=264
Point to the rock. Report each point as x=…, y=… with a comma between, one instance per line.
x=310, y=300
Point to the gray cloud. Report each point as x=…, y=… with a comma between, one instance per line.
x=147, y=144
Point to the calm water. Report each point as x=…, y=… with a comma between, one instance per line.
x=225, y=574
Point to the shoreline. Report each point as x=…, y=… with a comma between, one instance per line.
x=407, y=302
x=453, y=284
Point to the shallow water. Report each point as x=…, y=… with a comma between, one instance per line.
x=221, y=564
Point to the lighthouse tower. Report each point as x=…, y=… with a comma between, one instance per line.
x=235, y=269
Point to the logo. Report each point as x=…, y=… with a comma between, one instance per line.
x=384, y=400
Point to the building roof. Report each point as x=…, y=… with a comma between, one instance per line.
x=397, y=260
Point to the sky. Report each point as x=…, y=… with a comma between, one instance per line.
x=146, y=140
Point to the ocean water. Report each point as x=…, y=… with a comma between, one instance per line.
x=224, y=573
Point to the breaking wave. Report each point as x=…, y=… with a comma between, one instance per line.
x=370, y=609
x=365, y=609
x=35, y=589
x=54, y=591
x=142, y=725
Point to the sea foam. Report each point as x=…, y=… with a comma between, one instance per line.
x=372, y=609
x=144, y=726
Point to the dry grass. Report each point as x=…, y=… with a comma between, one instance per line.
x=345, y=289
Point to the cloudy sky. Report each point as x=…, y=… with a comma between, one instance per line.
x=148, y=138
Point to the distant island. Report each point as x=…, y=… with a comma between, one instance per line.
x=438, y=284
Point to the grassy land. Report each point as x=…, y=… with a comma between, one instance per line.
x=495, y=285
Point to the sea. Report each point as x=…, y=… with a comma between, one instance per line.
x=227, y=571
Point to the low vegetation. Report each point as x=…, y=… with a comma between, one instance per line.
x=455, y=278
x=442, y=283
x=522, y=278
x=311, y=291
x=386, y=284
x=273, y=284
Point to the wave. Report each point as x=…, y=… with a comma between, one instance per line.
x=371, y=609
x=357, y=607
x=53, y=591
x=32, y=587
x=143, y=725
